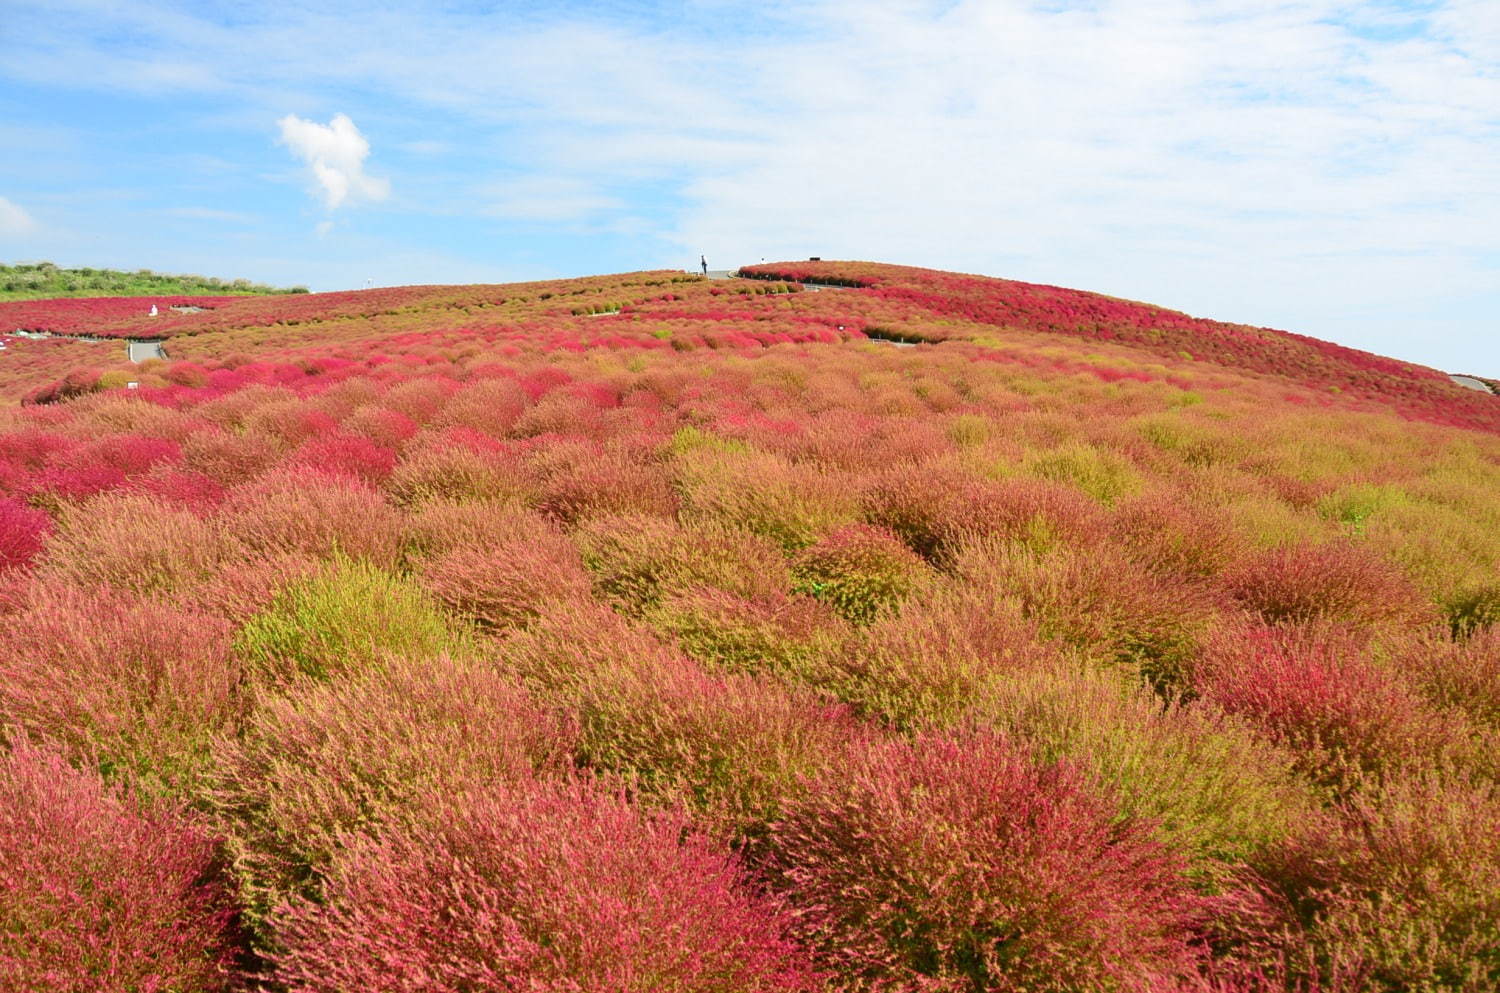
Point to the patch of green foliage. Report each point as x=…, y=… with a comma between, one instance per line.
x=44, y=280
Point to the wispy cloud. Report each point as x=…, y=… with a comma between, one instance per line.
x=335, y=154
x=1317, y=164
x=545, y=198
x=14, y=221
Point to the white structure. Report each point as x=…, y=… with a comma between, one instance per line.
x=153, y=310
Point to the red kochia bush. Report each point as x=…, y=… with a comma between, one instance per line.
x=23, y=532
x=539, y=887
x=1318, y=691
x=1337, y=581
x=960, y=864
x=348, y=455
x=99, y=894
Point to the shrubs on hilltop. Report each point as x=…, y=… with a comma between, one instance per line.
x=438, y=638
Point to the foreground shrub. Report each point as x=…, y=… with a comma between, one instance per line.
x=346, y=618
x=1099, y=601
x=860, y=571
x=935, y=508
x=136, y=688
x=541, y=887
x=1217, y=793
x=958, y=863
x=732, y=748
x=134, y=542
x=924, y=667
x=346, y=455
x=442, y=468
x=577, y=481
x=1318, y=691
x=306, y=511
x=793, y=505
x=788, y=636
x=97, y=893
x=1461, y=675
x=1401, y=885
x=325, y=760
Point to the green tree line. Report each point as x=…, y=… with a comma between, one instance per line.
x=39, y=280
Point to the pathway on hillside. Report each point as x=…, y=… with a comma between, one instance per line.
x=814, y=287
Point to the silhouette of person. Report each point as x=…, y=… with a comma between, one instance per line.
x=704, y=263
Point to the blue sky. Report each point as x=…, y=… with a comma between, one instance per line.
x=1326, y=167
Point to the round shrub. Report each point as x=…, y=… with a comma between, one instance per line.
x=504, y=584
x=1400, y=885
x=349, y=455
x=441, y=468
x=924, y=667
x=348, y=617
x=731, y=747
x=133, y=687
x=789, y=636
x=1336, y=581
x=959, y=863
x=860, y=571
x=1319, y=692
x=541, y=887
x=23, y=533
x=302, y=510
x=135, y=542
x=1097, y=600
x=637, y=560
x=325, y=760
x=99, y=893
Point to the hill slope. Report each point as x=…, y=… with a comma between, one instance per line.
x=644, y=631
x=44, y=280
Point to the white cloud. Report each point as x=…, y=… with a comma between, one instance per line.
x=1321, y=165
x=335, y=153
x=14, y=220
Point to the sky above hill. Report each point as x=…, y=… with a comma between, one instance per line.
x=1331, y=168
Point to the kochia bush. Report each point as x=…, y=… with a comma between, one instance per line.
x=322, y=761
x=960, y=864
x=540, y=887
x=100, y=893
x=860, y=571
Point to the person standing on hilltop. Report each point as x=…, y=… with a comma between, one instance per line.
x=703, y=261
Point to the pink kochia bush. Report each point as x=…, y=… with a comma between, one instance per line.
x=132, y=687
x=1319, y=691
x=539, y=887
x=23, y=532
x=100, y=893
x=958, y=863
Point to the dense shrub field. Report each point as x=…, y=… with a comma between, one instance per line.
x=646, y=632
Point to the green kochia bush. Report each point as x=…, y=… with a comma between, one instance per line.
x=860, y=571
x=731, y=747
x=344, y=619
